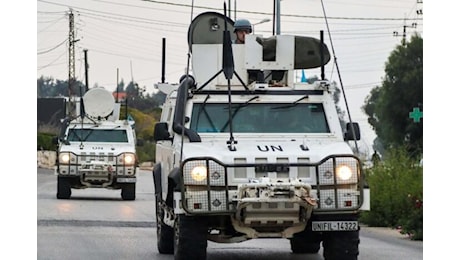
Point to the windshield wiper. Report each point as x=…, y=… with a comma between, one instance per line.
x=81, y=132
x=293, y=104
x=236, y=111
x=203, y=109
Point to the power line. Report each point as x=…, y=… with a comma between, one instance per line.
x=53, y=48
x=284, y=15
x=51, y=63
x=117, y=16
x=99, y=35
x=247, y=12
x=54, y=22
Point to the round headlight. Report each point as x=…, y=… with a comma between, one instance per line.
x=199, y=173
x=344, y=172
x=64, y=158
x=129, y=158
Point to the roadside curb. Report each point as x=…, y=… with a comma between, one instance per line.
x=386, y=231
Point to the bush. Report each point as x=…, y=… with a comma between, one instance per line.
x=396, y=187
x=146, y=152
x=45, y=142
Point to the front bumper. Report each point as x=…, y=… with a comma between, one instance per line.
x=101, y=171
x=270, y=207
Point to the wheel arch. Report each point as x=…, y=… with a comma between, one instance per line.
x=157, y=178
x=173, y=185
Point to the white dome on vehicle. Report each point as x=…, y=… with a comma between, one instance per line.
x=98, y=103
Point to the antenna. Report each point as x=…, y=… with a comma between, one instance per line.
x=116, y=87
x=184, y=99
x=163, y=60
x=86, y=70
x=82, y=109
x=340, y=78
x=131, y=66
x=228, y=67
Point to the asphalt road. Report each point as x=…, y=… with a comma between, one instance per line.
x=98, y=224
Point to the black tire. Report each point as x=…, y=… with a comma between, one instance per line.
x=165, y=233
x=64, y=190
x=341, y=245
x=305, y=243
x=128, y=191
x=190, y=238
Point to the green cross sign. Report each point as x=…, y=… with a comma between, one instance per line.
x=416, y=114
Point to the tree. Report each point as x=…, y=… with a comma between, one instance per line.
x=390, y=105
x=49, y=87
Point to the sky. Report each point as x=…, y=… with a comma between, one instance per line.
x=123, y=39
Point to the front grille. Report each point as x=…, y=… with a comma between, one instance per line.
x=216, y=191
x=97, y=164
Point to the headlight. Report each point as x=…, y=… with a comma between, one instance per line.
x=344, y=172
x=199, y=173
x=129, y=159
x=64, y=158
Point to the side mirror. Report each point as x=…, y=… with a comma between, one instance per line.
x=349, y=133
x=161, y=132
x=140, y=142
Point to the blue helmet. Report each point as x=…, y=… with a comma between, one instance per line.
x=242, y=24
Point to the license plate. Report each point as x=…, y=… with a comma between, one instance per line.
x=334, y=225
x=126, y=180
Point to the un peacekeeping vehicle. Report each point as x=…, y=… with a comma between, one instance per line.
x=244, y=152
x=97, y=149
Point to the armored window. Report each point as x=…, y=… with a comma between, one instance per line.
x=260, y=118
x=98, y=135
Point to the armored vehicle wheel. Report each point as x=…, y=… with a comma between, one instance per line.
x=128, y=191
x=190, y=238
x=165, y=234
x=341, y=245
x=63, y=188
x=306, y=242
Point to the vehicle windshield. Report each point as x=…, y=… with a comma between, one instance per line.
x=260, y=118
x=98, y=135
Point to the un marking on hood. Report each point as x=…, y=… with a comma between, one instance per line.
x=271, y=148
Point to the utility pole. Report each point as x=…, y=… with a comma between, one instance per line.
x=71, y=80
x=71, y=53
x=396, y=34
x=419, y=12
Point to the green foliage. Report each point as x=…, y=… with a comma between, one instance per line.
x=49, y=87
x=144, y=108
x=146, y=152
x=388, y=106
x=144, y=124
x=396, y=187
x=45, y=142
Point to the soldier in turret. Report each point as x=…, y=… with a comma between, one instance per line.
x=242, y=27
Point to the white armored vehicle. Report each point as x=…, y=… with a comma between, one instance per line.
x=243, y=151
x=97, y=149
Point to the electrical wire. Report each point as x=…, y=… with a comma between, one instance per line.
x=53, y=48
x=51, y=63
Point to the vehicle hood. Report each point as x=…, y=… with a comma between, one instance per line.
x=270, y=149
x=98, y=148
